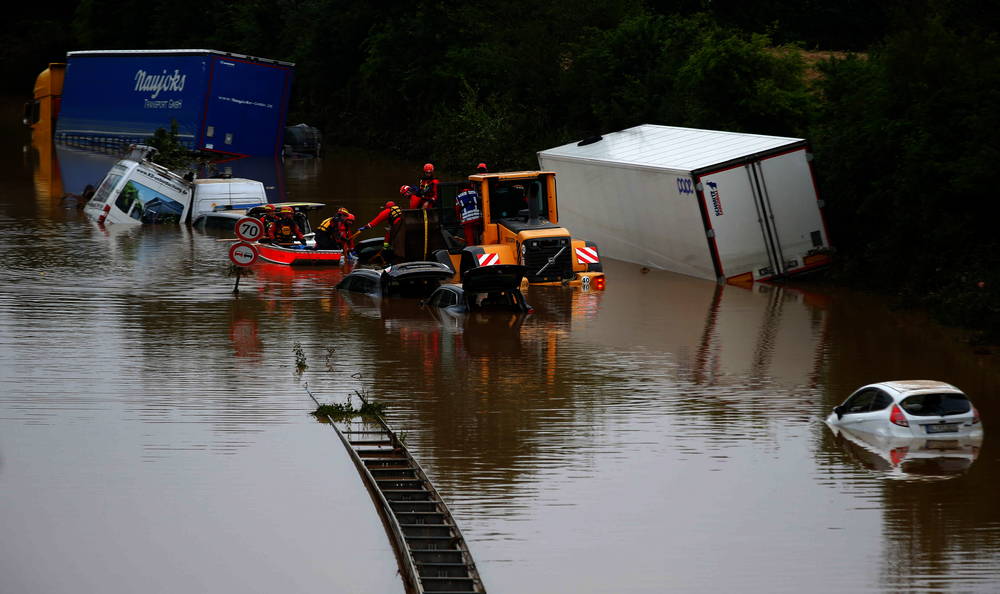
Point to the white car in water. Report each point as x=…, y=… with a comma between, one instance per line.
x=908, y=409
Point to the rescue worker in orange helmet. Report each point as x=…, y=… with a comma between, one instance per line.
x=342, y=231
x=408, y=193
x=268, y=215
x=427, y=187
x=391, y=213
x=332, y=233
x=285, y=230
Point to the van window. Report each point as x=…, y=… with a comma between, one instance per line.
x=148, y=205
x=107, y=185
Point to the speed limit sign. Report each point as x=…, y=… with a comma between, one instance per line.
x=243, y=254
x=249, y=229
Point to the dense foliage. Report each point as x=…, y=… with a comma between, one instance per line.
x=904, y=128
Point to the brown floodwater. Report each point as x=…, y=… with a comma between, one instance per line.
x=665, y=434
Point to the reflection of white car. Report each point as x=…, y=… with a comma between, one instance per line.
x=911, y=409
x=910, y=457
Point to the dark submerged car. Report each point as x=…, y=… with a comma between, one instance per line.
x=303, y=139
x=486, y=288
x=411, y=279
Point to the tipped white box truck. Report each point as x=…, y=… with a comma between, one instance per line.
x=717, y=205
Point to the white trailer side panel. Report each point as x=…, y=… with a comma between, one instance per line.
x=644, y=216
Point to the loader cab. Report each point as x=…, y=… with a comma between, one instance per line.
x=519, y=197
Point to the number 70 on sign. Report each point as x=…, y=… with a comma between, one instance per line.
x=249, y=229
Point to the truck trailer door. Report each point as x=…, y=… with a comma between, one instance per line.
x=737, y=223
x=246, y=106
x=787, y=192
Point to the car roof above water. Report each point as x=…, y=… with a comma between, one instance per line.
x=908, y=386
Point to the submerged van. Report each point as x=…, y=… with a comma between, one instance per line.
x=137, y=191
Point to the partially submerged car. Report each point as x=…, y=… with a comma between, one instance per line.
x=486, y=288
x=908, y=409
x=303, y=139
x=411, y=279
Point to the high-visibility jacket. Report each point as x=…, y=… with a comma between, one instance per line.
x=393, y=214
x=467, y=204
x=285, y=230
x=326, y=224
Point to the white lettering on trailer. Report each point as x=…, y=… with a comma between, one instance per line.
x=156, y=83
x=246, y=102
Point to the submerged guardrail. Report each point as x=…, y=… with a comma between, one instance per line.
x=431, y=550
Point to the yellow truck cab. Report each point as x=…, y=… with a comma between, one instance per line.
x=521, y=226
x=41, y=112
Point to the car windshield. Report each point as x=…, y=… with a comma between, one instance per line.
x=499, y=300
x=936, y=405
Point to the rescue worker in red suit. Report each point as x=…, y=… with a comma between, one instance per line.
x=408, y=194
x=427, y=188
x=391, y=214
x=343, y=230
x=334, y=233
x=268, y=216
x=284, y=230
x=469, y=213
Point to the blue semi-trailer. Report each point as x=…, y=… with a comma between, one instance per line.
x=222, y=102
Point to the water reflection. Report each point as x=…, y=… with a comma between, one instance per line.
x=662, y=434
x=909, y=458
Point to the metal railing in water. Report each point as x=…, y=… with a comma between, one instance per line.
x=431, y=550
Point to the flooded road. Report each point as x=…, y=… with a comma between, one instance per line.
x=663, y=435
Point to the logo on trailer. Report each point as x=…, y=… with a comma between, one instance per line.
x=157, y=83
x=716, y=202
x=488, y=259
x=587, y=255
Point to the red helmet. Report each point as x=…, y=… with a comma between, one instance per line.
x=343, y=211
x=350, y=217
x=269, y=207
x=390, y=204
x=287, y=210
x=481, y=167
x=404, y=190
x=428, y=168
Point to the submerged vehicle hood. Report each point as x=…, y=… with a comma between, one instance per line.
x=489, y=279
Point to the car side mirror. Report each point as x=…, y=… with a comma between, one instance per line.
x=840, y=411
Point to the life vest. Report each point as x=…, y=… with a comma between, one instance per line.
x=325, y=225
x=395, y=213
x=428, y=189
x=468, y=204
x=286, y=230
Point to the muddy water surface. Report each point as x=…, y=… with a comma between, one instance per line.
x=663, y=435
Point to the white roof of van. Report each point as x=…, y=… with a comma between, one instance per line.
x=668, y=147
